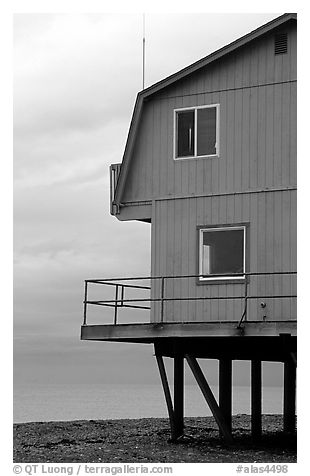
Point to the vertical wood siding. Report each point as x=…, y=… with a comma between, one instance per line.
x=256, y=91
x=270, y=218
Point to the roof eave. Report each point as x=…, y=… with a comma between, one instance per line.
x=163, y=83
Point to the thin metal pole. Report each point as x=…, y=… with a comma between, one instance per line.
x=143, y=53
x=116, y=304
x=122, y=295
x=162, y=299
x=245, y=298
x=85, y=303
x=244, y=314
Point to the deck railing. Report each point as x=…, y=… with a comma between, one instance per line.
x=122, y=285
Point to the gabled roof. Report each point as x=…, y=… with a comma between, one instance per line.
x=143, y=95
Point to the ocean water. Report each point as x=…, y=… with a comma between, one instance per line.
x=79, y=402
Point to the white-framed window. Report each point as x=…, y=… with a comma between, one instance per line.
x=222, y=252
x=196, y=132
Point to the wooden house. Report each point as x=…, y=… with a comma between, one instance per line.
x=210, y=163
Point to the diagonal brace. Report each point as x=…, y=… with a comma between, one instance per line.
x=210, y=399
x=165, y=384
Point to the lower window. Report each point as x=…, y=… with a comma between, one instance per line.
x=222, y=253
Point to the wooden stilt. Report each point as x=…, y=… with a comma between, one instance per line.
x=289, y=396
x=179, y=395
x=165, y=384
x=294, y=358
x=207, y=393
x=256, y=398
x=225, y=390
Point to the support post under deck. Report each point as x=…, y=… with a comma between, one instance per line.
x=178, y=395
x=225, y=390
x=289, y=396
x=256, y=398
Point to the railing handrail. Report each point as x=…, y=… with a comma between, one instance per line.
x=218, y=275
x=129, y=303
x=99, y=281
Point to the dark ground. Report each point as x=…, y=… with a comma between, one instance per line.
x=146, y=441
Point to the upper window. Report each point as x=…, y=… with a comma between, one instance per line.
x=196, y=132
x=222, y=252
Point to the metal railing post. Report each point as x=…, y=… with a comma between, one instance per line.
x=122, y=295
x=245, y=298
x=162, y=299
x=244, y=314
x=85, y=303
x=116, y=304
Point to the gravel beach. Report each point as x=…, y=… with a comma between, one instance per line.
x=147, y=441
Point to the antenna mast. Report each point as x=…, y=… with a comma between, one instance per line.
x=143, y=53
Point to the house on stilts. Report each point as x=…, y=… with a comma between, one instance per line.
x=210, y=163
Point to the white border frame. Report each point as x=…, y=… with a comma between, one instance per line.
x=221, y=228
x=217, y=133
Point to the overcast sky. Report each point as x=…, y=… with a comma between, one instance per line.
x=75, y=82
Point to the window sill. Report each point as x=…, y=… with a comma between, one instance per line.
x=206, y=281
x=197, y=157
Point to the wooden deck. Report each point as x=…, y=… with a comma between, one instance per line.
x=152, y=332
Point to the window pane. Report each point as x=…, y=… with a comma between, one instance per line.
x=222, y=252
x=206, y=131
x=185, y=133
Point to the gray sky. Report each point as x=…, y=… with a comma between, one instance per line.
x=75, y=82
